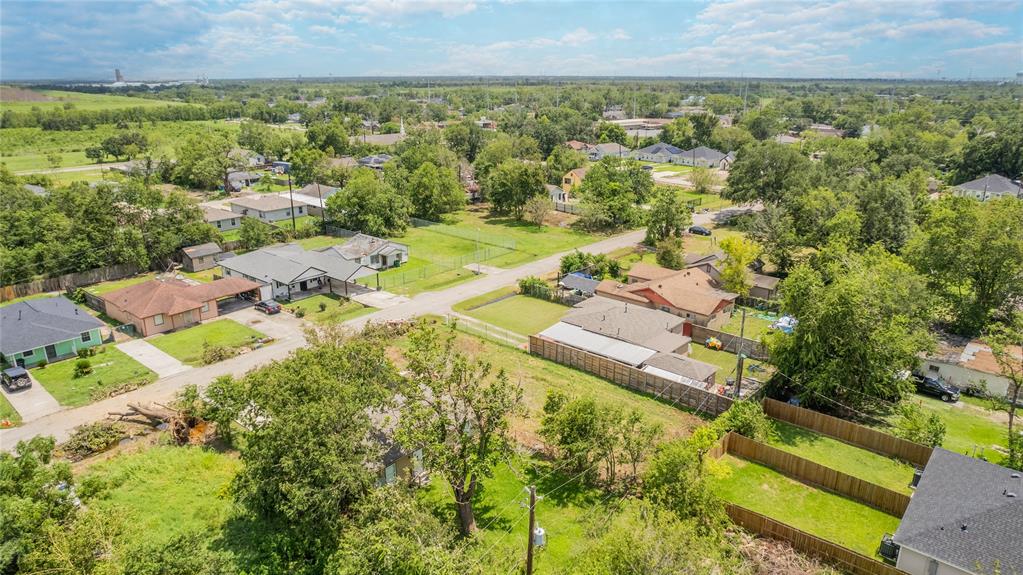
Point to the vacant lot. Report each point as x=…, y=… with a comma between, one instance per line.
x=826, y=515
x=111, y=369
x=866, y=465
x=187, y=344
x=48, y=99
x=335, y=309
x=519, y=313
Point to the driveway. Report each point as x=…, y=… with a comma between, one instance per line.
x=32, y=403
x=150, y=356
x=380, y=299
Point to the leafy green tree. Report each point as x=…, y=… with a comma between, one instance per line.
x=611, y=133
x=203, y=161
x=328, y=137
x=997, y=152
x=774, y=229
x=95, y=153
x=740, y=252
x=537, y=208
x=918, y=426
x=762, y=125
x=703, y=180
x=254, y=234
x=612, y=192
x=671, y=253
x=1006, y=342
x=596, y=265
x=862, y=319
x=886, y=214
x=511, y=185
x=675, y=480
x=703, y=128
x=766, y=172
x=458, y=412
x=679, y=133
x=308, y=165
x=434, y=192
x=561, y=161
x=465, y=139
x=669, y=216
x=370, y=205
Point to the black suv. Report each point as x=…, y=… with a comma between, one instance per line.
x=928, y=385
x=699, y=230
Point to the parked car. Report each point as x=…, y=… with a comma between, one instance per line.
x=699, y=230
x=933, y=386
x=15, y=378
x=269, y=307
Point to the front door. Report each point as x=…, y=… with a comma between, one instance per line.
x=303, y=286
x=51, y=352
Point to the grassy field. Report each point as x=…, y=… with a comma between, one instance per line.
x=708, y=244
x=7, y=411
x=968, y=426
x=826, y=515
x=336, y=310
x=482, y=299
x=187, y=344
x=726, y=362
x=843, y=457
x=521, y=314
x=756, y=323
x=107, y=287
x=83, y=101
x=110, y=369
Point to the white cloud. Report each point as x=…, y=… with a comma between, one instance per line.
x=1012, y=51
x=386, y=10
x=619, y=34
x=958, y=26
x=323, y=30
x=577, y=37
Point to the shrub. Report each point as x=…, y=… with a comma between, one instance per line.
x=323, y=306
x=42, y=364
x=91, y=438
x=919, y=427
x=216, y=353
x=299, y=312
x=83, y=353
x=746, y=418
x=83, y=367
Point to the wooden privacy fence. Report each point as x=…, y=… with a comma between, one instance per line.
x=730, y=342
x=849, y=432
x=625, y=375
x=845, y=559
x=76, y=279
x=796, y=467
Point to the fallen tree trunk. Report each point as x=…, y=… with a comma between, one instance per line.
x=154, y=414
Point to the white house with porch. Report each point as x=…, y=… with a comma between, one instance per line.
x=287, y=271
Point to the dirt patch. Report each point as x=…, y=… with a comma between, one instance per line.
x=14, y=94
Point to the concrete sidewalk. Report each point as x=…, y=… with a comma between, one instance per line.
x=32, y=403
x=150, y=356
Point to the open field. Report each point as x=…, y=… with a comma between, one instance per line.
x=866, y=465
x=336, y=310
x=518, y=313
x=968, y=427
x=7, y=411
x=187, y=344
x=821, y=513
x=50, y=99
x=111, y=369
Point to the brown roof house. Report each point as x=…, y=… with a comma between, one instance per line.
x=200, y=257
x=762, y=286
x=969, y=364
x=573, y=179
x=162, y=305
x=688, y=293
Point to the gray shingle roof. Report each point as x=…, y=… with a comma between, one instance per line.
x=659, y=148
x=286, y=262
x=705, y=153
x=992, y=184
x=207, y=249
x=265, y=203
x=683, y=366
x=578, y=282
x=40, y=322
x=361, y=245
x=635, y=324
x=961, y=514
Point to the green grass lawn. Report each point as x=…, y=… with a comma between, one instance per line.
x=187, y=344
x=756, y=323
x=708, y=244
x=110, y=370
x=84, y=101
x=821, y=513
x=300, y=222
x=725, y=362
x=866, y=465
x=660, y=167
x=336, y=310
x=521, y=314
x=477, y=301
x=107, y=287
x=7, y=411
x=204, y=276
x=968, y=426
x=28, y=297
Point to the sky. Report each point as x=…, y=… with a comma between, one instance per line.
x=164, y=39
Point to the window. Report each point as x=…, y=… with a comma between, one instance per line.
x=664, y=308
x=300, y=208
x=158, y=319
x=28, y=353
x=205, y=307
x=287, y=212
x=932, y=368
x=86, y=337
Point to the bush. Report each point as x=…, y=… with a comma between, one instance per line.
x=746, y=418
x=671, y=254
x=323, y=306
x=216, y=353
x=83, y=367
x=91, y=438
x=42, y=364
x=300, y=312
x=919, y=427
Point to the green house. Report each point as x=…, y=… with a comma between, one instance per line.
x=48, y=330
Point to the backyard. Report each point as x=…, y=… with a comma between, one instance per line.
x=506, y=309
x=757, y=323
x=821, y=513
x=335, y=309
x=111, y=369
x=187, y=344
x=969, y=428
x=726, y=362
x=110, y=286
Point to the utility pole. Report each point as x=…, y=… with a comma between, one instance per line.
x=323, y=208
x=477, y=251
x=738, y=367
x=532, y=526
x=291, y=194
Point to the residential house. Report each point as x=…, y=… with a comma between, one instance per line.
x=704, y=157
x=486, y=124
x=762, y=286
x=646, y=339
x=990, y=186
x=573, y=179
x=577, y=145
x=375, y=161
x=968, y=363
x=268, y=208
x=45, y=329
x=223, y=220
x=688, y=293
x=372, y=252
x=379, y=139
x=965, y=517
x=200, y=257
x=725, y=120
x=786, y=139
x=343, y=162
x=396, y=462
x=659, y=152
x=313, y=196
x=247, y=158
x=280, y=167
x=598, y=151
x=37, y=190
x=581, y=284
x=162, y=305
x=557, y=194
x=287, y=271
x=825, y=130
x=614, y=113
x=237, y=181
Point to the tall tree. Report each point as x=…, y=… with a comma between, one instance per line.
x=369, y=205
x=511, y=185
x=608, y=132
x=328, y=137
x=308, y=165
x=740, y=252
x=766, y=172
x=458, y=411
x=669, y=215
x=434, y=192
x=561, y=161
x=612, y=192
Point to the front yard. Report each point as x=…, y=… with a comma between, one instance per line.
x=335, y=309
x=111, y=369
x=187, y=345
x=821, y=513
x=7, y=411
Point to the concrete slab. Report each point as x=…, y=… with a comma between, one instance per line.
x=380, y=299
x=32, y=403
x=483, y=268
x=152, y=357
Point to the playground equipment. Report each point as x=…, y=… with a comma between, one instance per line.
x=714, y=343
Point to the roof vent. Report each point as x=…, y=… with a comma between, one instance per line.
x=963, y=528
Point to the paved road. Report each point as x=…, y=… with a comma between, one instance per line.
x=68, y=169
x=288, y=331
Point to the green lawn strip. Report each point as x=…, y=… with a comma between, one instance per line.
x=336, y=310
x=566, y=512
x=166, y=491
x=187, y=344
x=29, y=297
x=521, y=314
x=7, y=411
x=967, y=427
x=477, y=301
x=300, y=222
x=712, y=243
x=756, y=324
x=821, y=513
x=107, y=287
x=725, y=362
x=84, y=101
x=866, y=465
x=110, y=369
